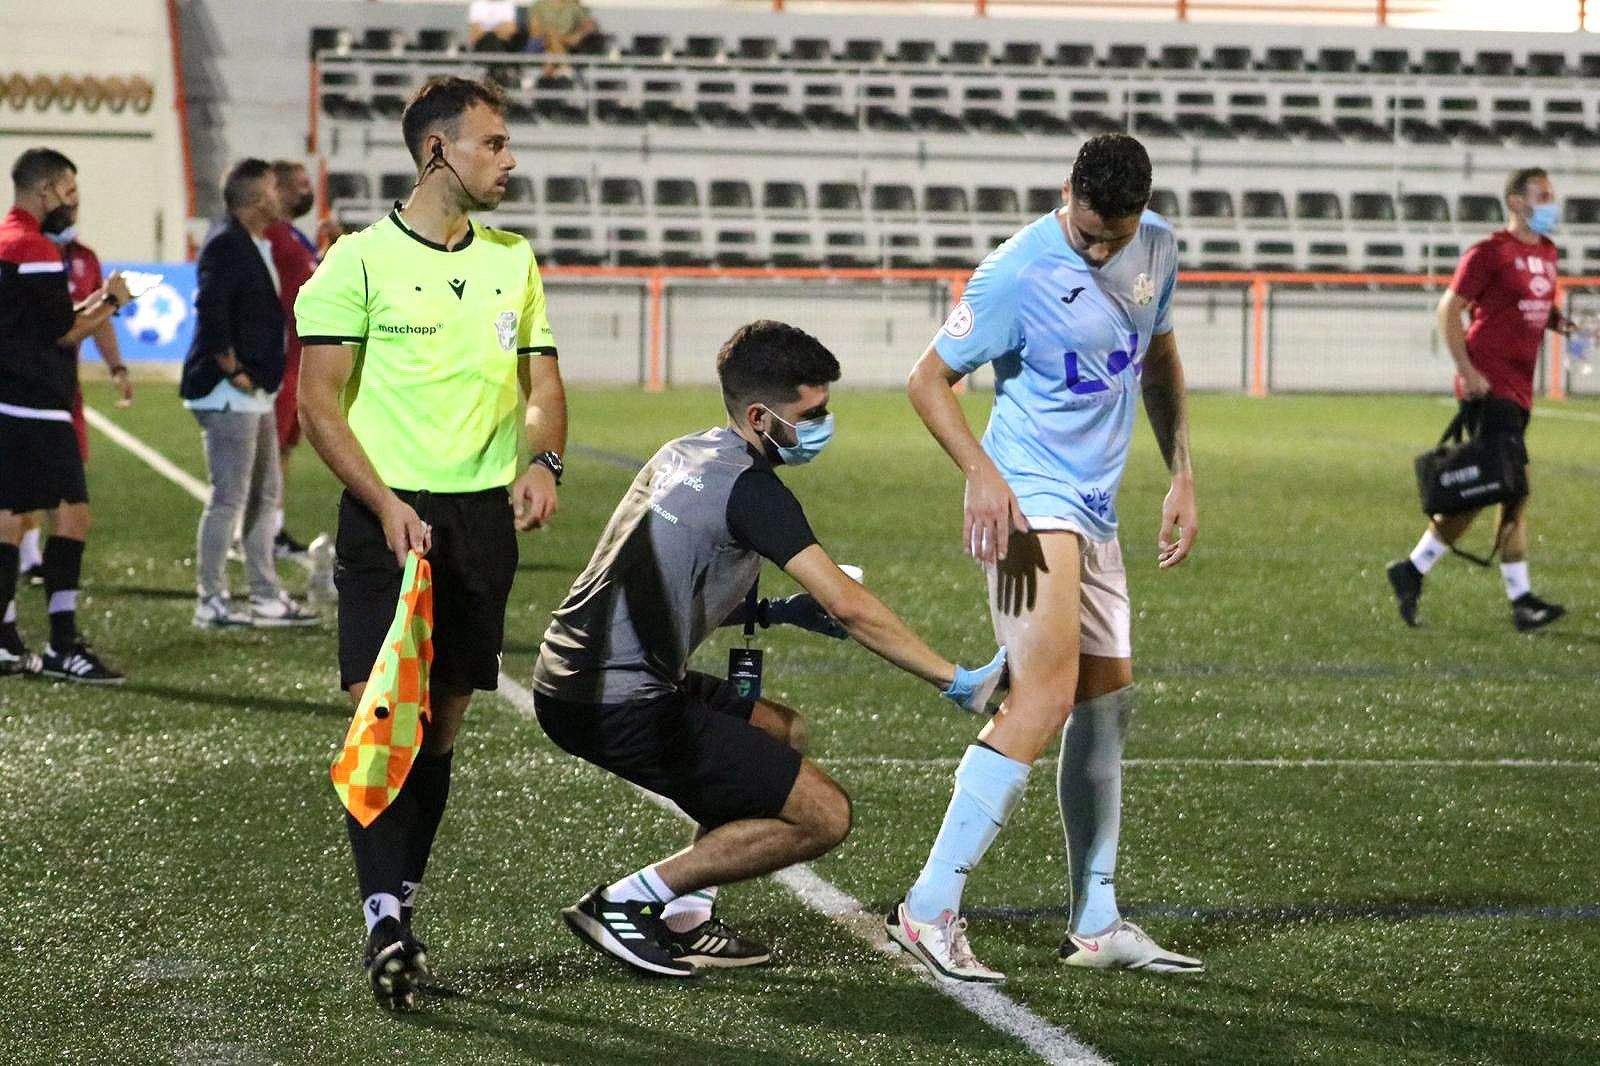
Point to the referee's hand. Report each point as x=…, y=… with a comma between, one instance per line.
x=404, y=531
x=533, y=497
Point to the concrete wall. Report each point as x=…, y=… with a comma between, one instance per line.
x=130, y=162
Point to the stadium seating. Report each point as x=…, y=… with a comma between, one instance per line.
x=886, y=101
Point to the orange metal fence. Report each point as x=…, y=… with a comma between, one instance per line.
x=1260, y=286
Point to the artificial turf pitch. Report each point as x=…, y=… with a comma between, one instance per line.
x=175, y=885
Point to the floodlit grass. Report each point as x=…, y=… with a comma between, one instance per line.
x=177, y=886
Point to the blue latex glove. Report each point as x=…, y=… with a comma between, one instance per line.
x=972, y=689
x=801, y=610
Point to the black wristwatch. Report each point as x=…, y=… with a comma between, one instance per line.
x=552, y=462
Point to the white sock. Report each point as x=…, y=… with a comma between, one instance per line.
x=690, y=911
x=11, y=612
x=277, y=522
x=645, y=886
x=30, y=551
x=378, y=906
x=1089, y=787
x=988, y=788
x=1516, y=579
x=1429, y=550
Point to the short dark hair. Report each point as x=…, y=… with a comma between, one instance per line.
x=1111, y=175
x=239, y=188
x=1517, y=183
x=442, y=101
x=39, y=164
x=767, y=362
x=283, y=169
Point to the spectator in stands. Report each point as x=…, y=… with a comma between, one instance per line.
x=1505, y=286
x=560, y=28
x=492, y=26
x=40, y=466
x=295, y=257
x=84, y=277
x=234, y=367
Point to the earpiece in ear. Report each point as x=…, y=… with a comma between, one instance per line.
x=438, y=149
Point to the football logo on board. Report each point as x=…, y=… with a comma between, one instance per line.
x=1144, y=290
x=960, y=322
x=505, y=327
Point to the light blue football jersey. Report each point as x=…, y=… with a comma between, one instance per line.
x=1068, y=343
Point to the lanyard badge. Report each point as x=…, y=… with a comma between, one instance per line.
x=744, y=664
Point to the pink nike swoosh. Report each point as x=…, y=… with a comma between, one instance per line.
x=1087, y=945
x=911, y=930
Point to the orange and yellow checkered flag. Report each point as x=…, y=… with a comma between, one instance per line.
x=386, y=732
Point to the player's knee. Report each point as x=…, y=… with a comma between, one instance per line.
x=835, y=817
x=798, y=736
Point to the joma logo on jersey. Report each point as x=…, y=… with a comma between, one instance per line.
x=1116, y=363
x=424, y=331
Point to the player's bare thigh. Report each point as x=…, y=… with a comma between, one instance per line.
x=445, y=718
x=1034, y=599
x=781, y=723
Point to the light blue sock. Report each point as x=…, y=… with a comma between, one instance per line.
x=1089, y=786
x=988, y=786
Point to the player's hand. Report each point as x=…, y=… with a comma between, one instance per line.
x=991, y=513
x=124, y=385
x=801, y=609
x=1473, y=384
x=403, y=531
x=972, y=689
x=533, y=497
x=1179, y=513
x=117, y=286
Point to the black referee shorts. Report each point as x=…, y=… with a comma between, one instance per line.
x=40, y=465
x=694, y=745
x=473, y=559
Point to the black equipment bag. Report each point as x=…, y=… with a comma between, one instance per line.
x=1468, y=469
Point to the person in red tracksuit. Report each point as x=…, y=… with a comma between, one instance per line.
x=1508, y=283
x=84, y=276
x=295, y=258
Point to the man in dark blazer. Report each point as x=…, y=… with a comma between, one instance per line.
x=230, y=378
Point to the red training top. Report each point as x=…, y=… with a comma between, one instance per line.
x=1512, y=287
x=294, y=263
x=37, y=377
x=83, y=270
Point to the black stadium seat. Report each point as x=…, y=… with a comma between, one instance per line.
x=788, y=197
x=566, y=192
x=1479, y=208
x=621, y=192
x=329, y=39
x=1337, y=60
x=1073, y=56
x=1441, y=62
x=1389, y=61
x=1328, y=256
x=677, y=194
x=649, y=46
x=729, y=197
x=1126, y=57
x=1494, y=65
x=1229, y=57
x=1581, y=211
x=519, y=190
x=1386, y=258
x=376, y=39
x=914, y=52
x=1371, y=207
x=1021, y=54
x=839, y=197
x=1547, y=65
x=348, y=187
x=862, y=50
x=888, y=120
x=1210, y=204
x=701, y=48
x=1274, y=255
x=722, y=116
x=996, y=200
x=810, y=50
x=1283, y=60
x=1263, y=204
x=395, y=186
x=1164, y=202
x=945, y=200
x=893, y=200
x=1178, y=57
x=756, y=49
x=968, y=53
x=434, y=41
x=1043, y=200
x=1424, y=207
x=792, y=248
x=1046, y=123
x=1318, y=206
x=988, y=120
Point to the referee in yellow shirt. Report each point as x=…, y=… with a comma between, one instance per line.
x=426, y=346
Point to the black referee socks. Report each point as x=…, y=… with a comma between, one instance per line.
x=63, y=566
x=10, y=559
x=392, y=853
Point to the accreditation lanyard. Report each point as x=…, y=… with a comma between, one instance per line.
x=744, y=664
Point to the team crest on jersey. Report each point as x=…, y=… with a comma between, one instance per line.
x=960, y=322
x=1144, y=290
x=505, y=327
x=1539, y=285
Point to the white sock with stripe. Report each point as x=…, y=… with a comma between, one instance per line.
x=31, y=554
x=644, y=886
x=378, y=906
x=689, y=911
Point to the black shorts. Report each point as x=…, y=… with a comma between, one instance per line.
x=1496, y=416
x=473, y=559
x=695, y=746
x=40, y=465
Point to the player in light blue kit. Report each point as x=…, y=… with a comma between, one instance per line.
x=1075, y=313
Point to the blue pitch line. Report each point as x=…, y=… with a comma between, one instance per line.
x=1301, y=913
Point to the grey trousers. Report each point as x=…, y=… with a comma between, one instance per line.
x=242, y=460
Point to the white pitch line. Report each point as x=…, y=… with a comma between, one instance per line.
x=1052, y=1044
x=1270, y=764
x=999, y=1011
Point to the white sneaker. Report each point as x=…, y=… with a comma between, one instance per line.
x=1125, y=947
x=939, y=945
x=213, y=612
x=280, y=610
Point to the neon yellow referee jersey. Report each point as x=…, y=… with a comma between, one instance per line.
x=433, y=397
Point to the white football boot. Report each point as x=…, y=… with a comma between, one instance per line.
x=1125, y=947
x=940, y=945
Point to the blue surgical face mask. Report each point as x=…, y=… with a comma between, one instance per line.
x=1544, y=218
x=810, y=437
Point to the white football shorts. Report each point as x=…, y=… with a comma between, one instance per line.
x=1105, y=617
